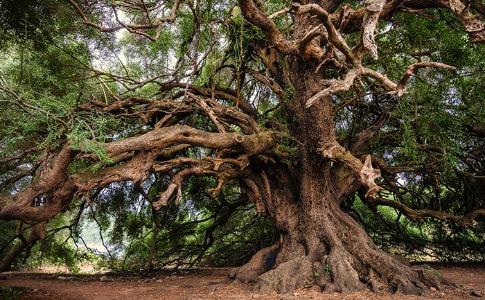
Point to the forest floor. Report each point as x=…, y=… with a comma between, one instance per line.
x=207, y=284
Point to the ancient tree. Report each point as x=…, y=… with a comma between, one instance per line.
x=287, y=101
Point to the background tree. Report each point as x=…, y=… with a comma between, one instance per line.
x=296, y=107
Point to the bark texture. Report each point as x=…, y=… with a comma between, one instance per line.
x=321, y=246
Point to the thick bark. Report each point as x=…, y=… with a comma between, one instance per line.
x=321, y=246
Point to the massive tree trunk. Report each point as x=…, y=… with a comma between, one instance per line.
x=305, y=66
x=320, y=246
x=323, y=247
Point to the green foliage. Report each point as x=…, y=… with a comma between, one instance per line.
x=328, y=269
x=429, y=239
x=7, y=235
x=12, y=293
x=199, y=230
x=90, y=137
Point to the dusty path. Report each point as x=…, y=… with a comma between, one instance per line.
x=213, y=285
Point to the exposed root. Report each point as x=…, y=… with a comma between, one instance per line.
x=407, y=283
x=262, y=261
x=344, y=276
x=294, y=274
x=401, y=278
x=323, y=248
x=340, y=271
x=431, y=277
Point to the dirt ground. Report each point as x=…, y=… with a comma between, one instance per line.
x=208, y=284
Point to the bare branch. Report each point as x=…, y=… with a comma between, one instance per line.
x=334, y=35
x=365, y=173
x=401, y=87
x=279, y=13
x=253, y=14
x=209, y=112
x=336, y=86
x=371, y=19
x=473, y=24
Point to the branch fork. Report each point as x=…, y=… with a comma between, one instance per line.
x=365, y=173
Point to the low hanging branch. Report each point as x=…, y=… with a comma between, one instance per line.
x=37, y=232
x=220, y=167
x=51, y=185
x=135, y=158
x=367, y=175
x=418, y=214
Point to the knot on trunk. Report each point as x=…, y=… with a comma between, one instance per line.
x=238, y=138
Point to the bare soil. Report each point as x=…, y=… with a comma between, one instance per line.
x=209, y=284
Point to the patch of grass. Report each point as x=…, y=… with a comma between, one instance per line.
x=11, y=293
x=328, y=270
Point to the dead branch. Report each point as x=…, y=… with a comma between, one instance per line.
x=371, y=17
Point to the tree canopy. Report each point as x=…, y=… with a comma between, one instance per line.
x=199, y=132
